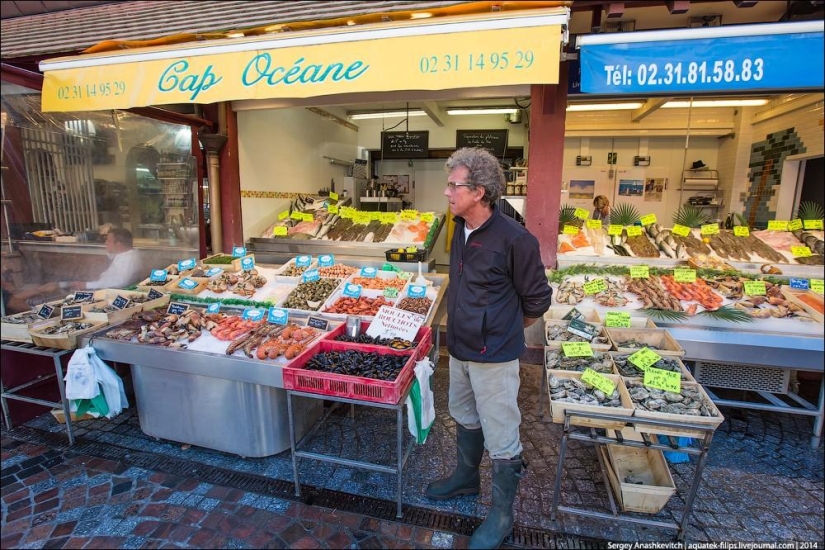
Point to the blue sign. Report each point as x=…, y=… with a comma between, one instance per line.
x=417, y=291
x=238, y=251
x=326, y=260
x=187, y=283
x=368, y=272
x=183, y=265
x=277, y=316
x=714, y=64
x=158, y=275
x=310, y=275
x=214, y=271
x=801, y=284
x=352, y=290
x=213, y=308
x=247, y=263
x=253, y=314
x=303, y=261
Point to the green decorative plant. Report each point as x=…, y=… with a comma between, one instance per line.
x=690, y=216
x=624, y=214
x=567, y=216
x=809, y=210
x=728, y=314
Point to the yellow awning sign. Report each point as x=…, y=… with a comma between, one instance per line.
x=470, y=58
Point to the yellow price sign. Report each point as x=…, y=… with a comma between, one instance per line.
x=299, y=216
x=598, y=381
x=816, y=285
x=648, y=219
x=308, y=217
x=755, y=288
x=741, y=231
x=793, y=225
x=639, y=272
x=634, y=231
x=710, y=229
x=280, y=231
x=581, y=213
x=571, y=230
x=594, y=224
x=388, y=217
x=644, y=358
x=375, y=216
x=347, y=213
x=334, y=196
x=332, y=208
x=427, y=217
x=684, y=275
x=812, y=224
x=362, y=218
x=594, y=287
x=390, y=292
x=412, y=249
x=801, y=251
x=617, y=319
x=576, y=349
x=681, y=230
x=409, y=215
x=614, y=229
x=663, y=379
x=778, y=225
x=283, y=215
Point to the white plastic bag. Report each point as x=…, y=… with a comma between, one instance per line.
x=110, y=384
x=420, y=402
x=81, y=376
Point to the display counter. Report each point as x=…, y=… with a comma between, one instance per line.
x=381, y=204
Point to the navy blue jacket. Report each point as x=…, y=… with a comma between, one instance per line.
x=496, y=279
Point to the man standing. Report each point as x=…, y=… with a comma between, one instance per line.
x=497, y=288
x=124, y=270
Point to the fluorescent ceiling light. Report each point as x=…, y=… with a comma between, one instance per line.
x=386, y=114
x=603, y=106
x=715, y=103
x=483, y=111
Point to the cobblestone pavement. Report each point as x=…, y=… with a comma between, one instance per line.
x=118, y=487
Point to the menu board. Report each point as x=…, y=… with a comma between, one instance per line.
x=405, y=145
x=494, y=141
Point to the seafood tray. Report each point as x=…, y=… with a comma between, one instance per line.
x=423, y=340
x=111, y=314
x=557, y=407
x=560, y=313
x=310, y=296
x=197, y=271
x=67, y=340
x=691, y=393
x=141, y=298
x=640, y=478
x=658, y=340
x=555, y=332
x=296, y=377
x=175, y=288
x=224, y=261
x=147, y=284
x=554, y=359
x=808, y=300
x=667, y=362
x=289, y=269
x=423, y=306
x=16, y=327
x=366, y=305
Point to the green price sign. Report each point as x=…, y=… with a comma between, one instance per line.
x=681, y=230
x=710, y=229
x=639, y=272
x=283, y=215
x=280, y=231
x=427, y=217
x=816, y=285
x=755, y=288
x=576, y=349
x=581, y=213
x=778, y=225
x=812, y=224
x=390, y=292
x=634, y=231
x=617, y=319
x=801, y=251
x=375, y=216
x=614, y=229
x=333, y=195
x=594, y=224
x=299, y=216
x=388, y=217
x=594, y=287
x=648, y=219
x=362, y=218
x=332, y=208
x=741, y=231
x=598, y=381
x=571, y=230
x=663, y=379
x=793, y=225
x=684, y=275
x=644, y=358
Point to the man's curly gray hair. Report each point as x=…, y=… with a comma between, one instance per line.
x=484, y=171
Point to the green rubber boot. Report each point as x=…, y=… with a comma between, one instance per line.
x=465, y=479
x=499, y=521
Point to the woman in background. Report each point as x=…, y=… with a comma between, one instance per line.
x=602, y=208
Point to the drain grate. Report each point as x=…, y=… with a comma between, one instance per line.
x=522, y=537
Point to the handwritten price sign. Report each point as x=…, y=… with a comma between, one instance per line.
x=617, y=319
x=684, y=275
x=598, y=381
x=581, y=213
x=644, y=358
x=794, y=225
x=663, y=379
x=778, y=225
x=571, y=230
x=576, y=349
x=801, y=251
x=681, y=230
x=755, y=288
x=639, y=272
x=710, y=229
x=634, y=231
x=648, y=219
x=741, y=231
x=594, y=287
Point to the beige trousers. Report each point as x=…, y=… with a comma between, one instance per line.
x=485, y=395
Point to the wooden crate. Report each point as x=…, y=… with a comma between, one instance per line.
x=557, y=366
x=61, y=341
x=19, y=332
x=794, y=296
x=686, y=374
x=174, y=287
x=557, y=313
x=658, y=337
x=111, y=294
x=112, y=317
x=557, y=408
x=557, y=343
x=144, y=285
x=235, y=265
x=709, y=421
x=646, y=465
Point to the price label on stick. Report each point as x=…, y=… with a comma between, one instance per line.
x=598, y=381
x=710, y=229
x=283, y=215
x=741, y=231
x=577, y=349
x=684, y=275
x=801, y=251
x=639, y=272
x=617, y=319
x=755, y=288
x=390, y=292
x=333, y=195
x=594, y=287
x=794, y=225
x=663, y=379
x=277, y=316
x=326, y=260
x=812, y=224
x=310, y=275
x=238, y=251
x=369, y=272
x=213, y=308
x=634, y=231
x=799, y=284
x=644, y=358
x=681, y=230
x=648, y=219
x=303, y=261
x=614, y=229
x=253, y=314
x=581, y=213
x=778, y=225
x=280, y=231
x=594, y=224
x=332, y=208
x=570, y=230
x=816, y=285
x=352, y=290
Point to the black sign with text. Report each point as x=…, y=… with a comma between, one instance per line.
x=494, y=141
x=405, y=145
x=317, y=322
x=120, y=302
x=71, y=312
x=84, y=296
x=155, y=294
x=45, y=311
x=176, y=308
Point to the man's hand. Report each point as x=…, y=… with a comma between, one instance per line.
x=530, y=320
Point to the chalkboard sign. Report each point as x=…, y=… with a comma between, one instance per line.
x=494, y=141
x=405, y=145
x=318, y=323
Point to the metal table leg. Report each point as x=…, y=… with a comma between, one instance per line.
x=292, y=444
x=817, y=437
x=400, y=454
x=67, y=409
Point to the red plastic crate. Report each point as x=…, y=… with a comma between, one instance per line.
x=342, y=385
x=424, y=337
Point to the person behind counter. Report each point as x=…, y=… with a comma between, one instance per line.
x=602, y=208
x=497, y=288
x=122, y=272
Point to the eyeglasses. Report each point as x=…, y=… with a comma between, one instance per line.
x=451, y=185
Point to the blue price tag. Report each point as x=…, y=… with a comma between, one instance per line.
x=238, y=251
x=187, y=283
x=253, y=314
x=369, y=272
x=326, y=260
x=310, y=275
x=277, y=316
x=247, y=264
x=303, y=261
x=184, y=265
x=158, y=275
x=352, y=290
x=801, y=284
x=213, y=308
x=214, y=271
x=417, y=291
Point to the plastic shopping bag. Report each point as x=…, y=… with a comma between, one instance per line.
x=420, y=402
x=81, y=376
x=111, y=386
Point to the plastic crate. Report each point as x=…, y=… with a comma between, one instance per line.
x=424, y=337
x=341, y=385
x=393, y=255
